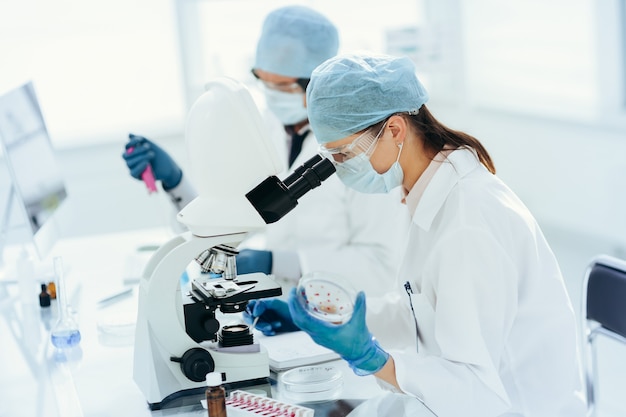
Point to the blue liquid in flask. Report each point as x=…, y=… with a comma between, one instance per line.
x=65, y=338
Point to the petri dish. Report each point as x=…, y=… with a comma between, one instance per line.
x=326, y=296
x=311, y=383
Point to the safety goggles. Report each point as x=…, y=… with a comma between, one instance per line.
x=365, y=143
x=299, y=86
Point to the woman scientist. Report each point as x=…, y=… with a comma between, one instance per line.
x=493, y=331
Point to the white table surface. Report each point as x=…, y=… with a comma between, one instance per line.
x=94, y=379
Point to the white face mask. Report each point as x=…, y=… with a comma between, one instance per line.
x=287, y=107
x=359, y=174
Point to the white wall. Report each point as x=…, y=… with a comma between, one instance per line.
x=572, y=176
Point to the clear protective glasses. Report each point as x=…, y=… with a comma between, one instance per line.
x=298, y=86
x=365, y=143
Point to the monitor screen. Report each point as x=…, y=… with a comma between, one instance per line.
x=36, y=187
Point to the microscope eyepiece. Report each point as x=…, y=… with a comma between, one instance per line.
x=274, y=198
x=298, y=172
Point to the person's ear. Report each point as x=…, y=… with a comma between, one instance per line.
x=398, y=127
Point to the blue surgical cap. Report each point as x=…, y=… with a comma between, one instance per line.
x=349, y=93
x=294, y=40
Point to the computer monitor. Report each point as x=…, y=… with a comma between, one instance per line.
x=36, y=189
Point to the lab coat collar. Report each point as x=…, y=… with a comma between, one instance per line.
x=459, y=163
x=301, y=128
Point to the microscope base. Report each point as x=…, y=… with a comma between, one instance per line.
x=192, y=396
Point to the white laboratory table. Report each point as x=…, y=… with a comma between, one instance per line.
x=94, y=379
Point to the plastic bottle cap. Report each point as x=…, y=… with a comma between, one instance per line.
x=214, y=379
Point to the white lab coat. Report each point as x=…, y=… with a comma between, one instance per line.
x=333, y=228
x=498, y=335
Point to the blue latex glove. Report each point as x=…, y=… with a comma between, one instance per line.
x=146, y=152
x=252, y=260
x=273, y=314
x=352, y=340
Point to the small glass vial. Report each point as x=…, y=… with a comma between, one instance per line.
x=44, y=297
x=215, y=395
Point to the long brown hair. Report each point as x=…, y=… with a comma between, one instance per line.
x=436, y=135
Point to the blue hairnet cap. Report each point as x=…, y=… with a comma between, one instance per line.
x=294, y=40
x=349, y=93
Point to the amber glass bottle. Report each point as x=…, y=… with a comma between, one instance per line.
x=215, y=395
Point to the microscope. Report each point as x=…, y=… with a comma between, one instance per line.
x=178, y=337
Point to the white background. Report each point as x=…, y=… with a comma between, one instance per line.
x=541, y=84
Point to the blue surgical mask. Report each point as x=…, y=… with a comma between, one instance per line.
x=359, y=174
x=287, y=107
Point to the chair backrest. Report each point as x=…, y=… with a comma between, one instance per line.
x=603, y=312
x=606, y=294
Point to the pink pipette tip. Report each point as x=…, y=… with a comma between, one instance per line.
x=147, y=176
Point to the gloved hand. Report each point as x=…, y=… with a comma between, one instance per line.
x=146, y=152
x=351, y=340
x=252, y=260
x=273, y=314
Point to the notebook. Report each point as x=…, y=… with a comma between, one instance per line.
x=289, y=350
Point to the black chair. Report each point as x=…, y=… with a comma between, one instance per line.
x=603, y=313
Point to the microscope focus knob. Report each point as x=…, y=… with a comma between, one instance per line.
x=196, y=363
x=211, y=325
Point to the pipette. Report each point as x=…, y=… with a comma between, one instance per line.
x=147, y=175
